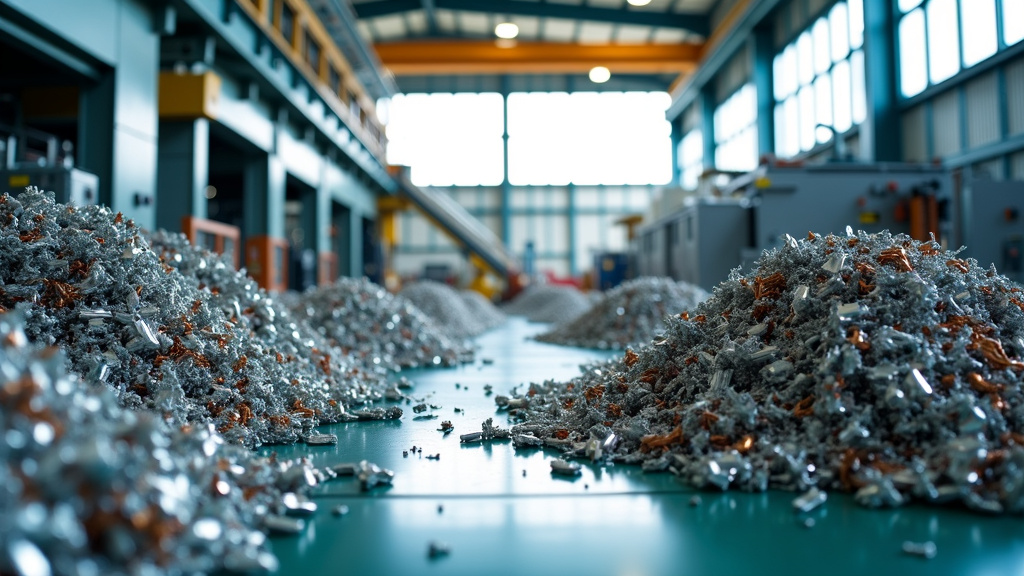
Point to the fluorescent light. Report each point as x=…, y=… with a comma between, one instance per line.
x=638, y=2
x=600, y=74
x=506, y=30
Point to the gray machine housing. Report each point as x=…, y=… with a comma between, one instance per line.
x=69, y=185
x=990, y=225
x=710, y=236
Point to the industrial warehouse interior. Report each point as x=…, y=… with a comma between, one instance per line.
x=625, y=287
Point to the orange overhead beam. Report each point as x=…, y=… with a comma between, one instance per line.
x=487, y=57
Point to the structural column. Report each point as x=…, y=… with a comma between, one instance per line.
x=183, y=170
x=883, y=115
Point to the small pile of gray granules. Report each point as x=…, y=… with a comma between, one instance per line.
x=483, y=309
x=92, y=488
x=91, y=285
x=382, y=329
x=869, y=363
x=552, y=303
x=305, y=351
x=630, y=314
x=445, y=306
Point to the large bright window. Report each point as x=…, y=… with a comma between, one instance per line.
x=1013, y=21
x=939, y=38
x=448, y=139
x=588, y=138
x=819, y=79
x=736, y=131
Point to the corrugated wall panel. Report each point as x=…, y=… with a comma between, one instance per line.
x=1015, y=96
x=946, y=124
x=1017, y=166
x=982, y=110
x=915, y=148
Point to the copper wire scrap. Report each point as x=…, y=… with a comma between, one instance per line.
x=770, y=287
x=593, y=393
x=707, y=419
x=857, y=338
x=57, y=294
x=240, y=364
x=31, y=235
x=895, y=257
x=650, y=376
x=804, y=407
x=630, y=358
x=928, y=249
x=298, y=408
x=614, y=411
x=959, y=265
x=744, y=444
x=979, y=384
x=653, y=441
x=993, y=351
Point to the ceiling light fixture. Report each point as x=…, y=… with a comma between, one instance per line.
x=599, y=74
x=506, y=30
x=638, y=2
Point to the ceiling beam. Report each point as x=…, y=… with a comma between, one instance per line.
x=695, y=23
x=486, y=57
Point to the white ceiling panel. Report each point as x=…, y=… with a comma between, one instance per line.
x=417, y=22
x=390, y=27
x=445, y=20
x=559, y=30
x=475, y=22
x=668, y=36
x=529, y=26
x=595, y=33
x=631, y=34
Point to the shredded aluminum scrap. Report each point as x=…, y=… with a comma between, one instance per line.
x=90, y=284
x=381, y=328
x=867, y=363
x=297, y=347
x=630, y=314
x=93, y=488
x=446, y=307
x=483, y=309
x=549, y=303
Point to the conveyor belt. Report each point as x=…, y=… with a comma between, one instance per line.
x=461, y=227
x=613, y=520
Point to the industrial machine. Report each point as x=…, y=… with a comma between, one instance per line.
x=709, y=235
x=33, y=158
x=990, y=224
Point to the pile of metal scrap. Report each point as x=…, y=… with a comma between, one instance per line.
x=380, y=328
x=483, y=309
x=304, y=351
x=868, y=363
x=87, y=281
x=93, y=488
x=448, y=308
x=552, y=303
x=630, y=314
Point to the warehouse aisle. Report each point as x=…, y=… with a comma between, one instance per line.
x=502, y=512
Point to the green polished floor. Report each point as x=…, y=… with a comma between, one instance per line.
x=614, y=520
